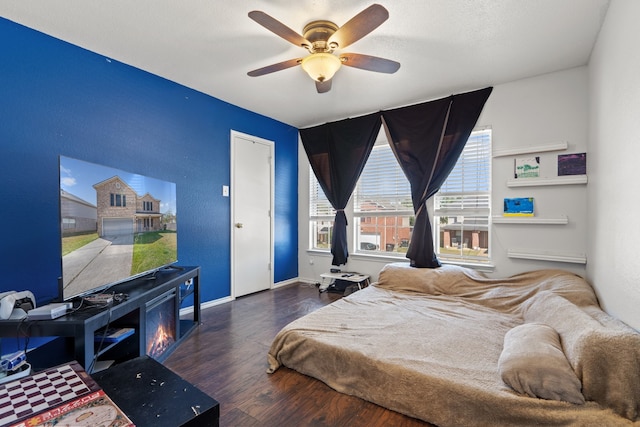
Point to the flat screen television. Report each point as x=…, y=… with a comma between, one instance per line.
x=114, y=226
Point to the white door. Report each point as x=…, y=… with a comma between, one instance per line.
x=251, y=214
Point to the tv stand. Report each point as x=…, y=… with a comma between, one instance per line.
x=76, y=330
x=172, y=267
x=153, y=274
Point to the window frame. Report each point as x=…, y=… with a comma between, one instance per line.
x=387, y=225
x=118, y=200
x=472, y=213
x=320, y=212
x=355, y=217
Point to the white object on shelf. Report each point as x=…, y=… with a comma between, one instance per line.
x=559, y=180
x=547, y=256
x=531, y=149
x=559, y=220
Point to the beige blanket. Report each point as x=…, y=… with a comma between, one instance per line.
x=427, y=342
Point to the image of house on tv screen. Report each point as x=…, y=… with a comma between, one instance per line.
x=114, y=225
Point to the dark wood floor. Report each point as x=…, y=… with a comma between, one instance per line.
x=226, y=357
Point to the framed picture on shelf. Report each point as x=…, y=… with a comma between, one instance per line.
x=527, y=167
x=518, y=206
x=572, y=164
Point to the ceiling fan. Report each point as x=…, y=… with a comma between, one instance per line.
x=321, y=38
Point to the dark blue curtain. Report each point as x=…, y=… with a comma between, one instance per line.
x=337, y=153
x=427, y=140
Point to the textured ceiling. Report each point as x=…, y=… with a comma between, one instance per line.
x=444, y=46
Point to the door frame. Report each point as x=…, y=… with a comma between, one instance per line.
x=235, y=134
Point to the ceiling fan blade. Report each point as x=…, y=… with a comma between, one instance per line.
x=323, y=87
x=275, y=67
x=278, y=28
x=369, y=63
x=359, y=26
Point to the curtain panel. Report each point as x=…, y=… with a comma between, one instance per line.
x=427, y=140
x=337, y=152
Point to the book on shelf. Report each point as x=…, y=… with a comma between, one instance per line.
x=572, y=164
x=527, y=167
x=518, y=206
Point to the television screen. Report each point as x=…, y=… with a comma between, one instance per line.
x=115, y=225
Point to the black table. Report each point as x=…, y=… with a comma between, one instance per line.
x=152, y=395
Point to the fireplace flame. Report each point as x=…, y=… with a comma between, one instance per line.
x=161, y=341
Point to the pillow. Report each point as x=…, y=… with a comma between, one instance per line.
x=603, y=351
x=432, y=281
x=532, y=363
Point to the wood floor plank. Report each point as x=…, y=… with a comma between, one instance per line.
x=226, y=357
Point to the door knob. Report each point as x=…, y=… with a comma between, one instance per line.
x=238, y=225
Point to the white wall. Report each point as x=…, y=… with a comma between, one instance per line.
x=614, y=150
x=535, y=112
x=531, y=112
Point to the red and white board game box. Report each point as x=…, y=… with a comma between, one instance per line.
x=64, y=395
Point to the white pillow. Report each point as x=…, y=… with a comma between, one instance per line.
x=533, y=363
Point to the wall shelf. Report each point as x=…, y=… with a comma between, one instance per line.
x=559, y=220
x=547, y=256
x=531, y=149
x=558, y=180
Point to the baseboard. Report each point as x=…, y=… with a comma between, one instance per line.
x=212, y=303
x=285, y=283
x=189, y=310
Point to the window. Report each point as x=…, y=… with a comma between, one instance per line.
x=383, y=212
x=462, y=206
x=321, y=215
x=68, y=223
x=382, y=209
x=118, y=200
x=383, y=215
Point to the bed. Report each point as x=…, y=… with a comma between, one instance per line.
x=452, y=347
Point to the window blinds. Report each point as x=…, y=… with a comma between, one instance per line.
x=383, y=187
x=319, y=205
x=467, y=190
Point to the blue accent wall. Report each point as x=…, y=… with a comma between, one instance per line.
x=59, y=99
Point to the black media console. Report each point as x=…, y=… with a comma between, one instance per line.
x=149, y=303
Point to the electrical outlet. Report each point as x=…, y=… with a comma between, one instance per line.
x=225, y=191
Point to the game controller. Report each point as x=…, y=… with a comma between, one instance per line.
x=12, y=299
x=7, y=302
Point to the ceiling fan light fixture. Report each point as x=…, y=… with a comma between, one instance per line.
x=321, y=66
